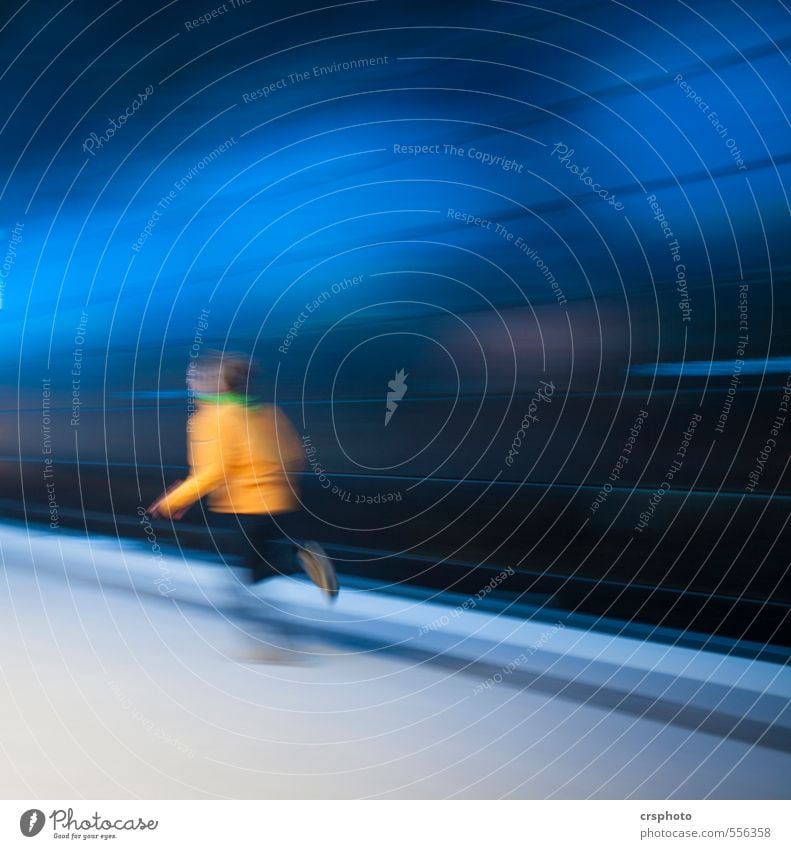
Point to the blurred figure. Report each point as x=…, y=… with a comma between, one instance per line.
x=243, y=455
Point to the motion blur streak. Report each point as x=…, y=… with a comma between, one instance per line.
x=481, y=196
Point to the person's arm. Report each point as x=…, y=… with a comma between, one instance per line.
x=207, y=469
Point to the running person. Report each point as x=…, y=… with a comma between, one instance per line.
x=243, y=456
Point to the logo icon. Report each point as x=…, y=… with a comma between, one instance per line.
x=31, y=822
x=397, y=391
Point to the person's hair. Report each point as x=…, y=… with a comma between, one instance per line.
x=236, y=372
x=233, y=369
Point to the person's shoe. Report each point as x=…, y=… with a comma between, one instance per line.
x=319, y=568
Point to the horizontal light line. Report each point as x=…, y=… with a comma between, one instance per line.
x=714, y=368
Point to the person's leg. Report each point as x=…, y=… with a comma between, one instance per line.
x=254, y=542
x=265, y=547
x=275, y=552
x=268, y=550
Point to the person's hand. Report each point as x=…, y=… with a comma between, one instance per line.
x=155, y=508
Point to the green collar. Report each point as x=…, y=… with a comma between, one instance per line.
x=223, y=398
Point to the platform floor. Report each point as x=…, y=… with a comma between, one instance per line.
x=106, y=694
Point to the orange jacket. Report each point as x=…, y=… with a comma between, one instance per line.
x=242, y=457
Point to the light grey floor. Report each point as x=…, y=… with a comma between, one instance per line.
x=106, y=695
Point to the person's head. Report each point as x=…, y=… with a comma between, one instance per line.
x=219, y=372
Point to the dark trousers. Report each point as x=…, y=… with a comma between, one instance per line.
x=262, y=543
